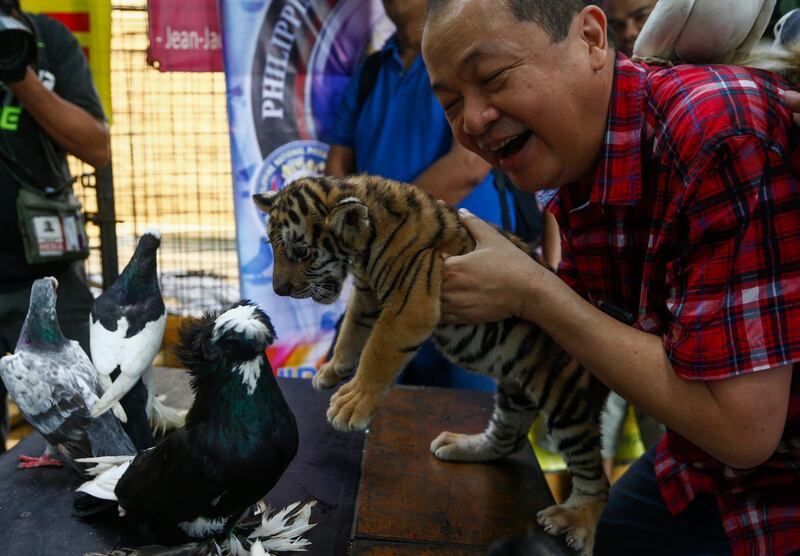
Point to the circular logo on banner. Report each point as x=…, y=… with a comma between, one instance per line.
x=292, y=161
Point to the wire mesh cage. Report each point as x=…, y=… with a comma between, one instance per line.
x=171, y=171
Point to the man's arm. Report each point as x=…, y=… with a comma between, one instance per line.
x=453, y=176
x=341, y=161
x=69, y=125
x=739, y=421
x=551, y=240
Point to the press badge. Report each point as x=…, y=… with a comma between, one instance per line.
x=49, y=235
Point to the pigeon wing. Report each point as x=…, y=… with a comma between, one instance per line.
x=756, y=32
x=169, y=484
x=133, y=356
x=106, y=345
x=716, y=29
x=50, y=398
x=662, y=29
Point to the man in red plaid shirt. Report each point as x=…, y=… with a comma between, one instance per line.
x=679, y=204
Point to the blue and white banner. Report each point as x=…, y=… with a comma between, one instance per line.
x=286, y=65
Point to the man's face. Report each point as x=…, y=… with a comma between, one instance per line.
x=626, y=18
x=526, y=104
x=404, y=12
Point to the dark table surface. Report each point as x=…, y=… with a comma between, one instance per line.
x=388, y=498
x=409, y=502
x=35, y=504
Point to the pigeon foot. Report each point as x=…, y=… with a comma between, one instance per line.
x=29, y=462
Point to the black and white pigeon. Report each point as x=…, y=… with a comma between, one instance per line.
x=126, y=329
x=55, y=385
x=239, y=437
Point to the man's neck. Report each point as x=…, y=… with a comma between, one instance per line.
x=409, y=41
x=581, y=190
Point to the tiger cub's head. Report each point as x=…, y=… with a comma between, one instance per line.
x=316, y=228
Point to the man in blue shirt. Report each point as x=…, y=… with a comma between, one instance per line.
x=400, y=132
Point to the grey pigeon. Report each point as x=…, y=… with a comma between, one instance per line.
x=55, y=385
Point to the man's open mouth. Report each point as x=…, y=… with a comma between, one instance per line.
x=514, y=145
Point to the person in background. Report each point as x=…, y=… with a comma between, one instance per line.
x=680, y=281
x=54, y=101
x=399, y=131
x=626, y=18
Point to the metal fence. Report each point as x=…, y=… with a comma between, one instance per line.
x=171, y=170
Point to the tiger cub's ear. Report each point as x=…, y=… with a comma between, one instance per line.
x=265, y=201
x=348, y=220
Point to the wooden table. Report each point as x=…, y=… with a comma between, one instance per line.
x=409, y=502
x=388, y=496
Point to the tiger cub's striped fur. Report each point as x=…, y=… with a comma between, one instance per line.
x=392, y=238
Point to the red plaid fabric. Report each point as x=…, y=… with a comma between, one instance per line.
x=692, y=227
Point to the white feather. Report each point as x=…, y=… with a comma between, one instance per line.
x=165, y=418
x=104, y=483
x=201, y=527
x=282, y=531
x=271, y=525
x=162, y=417
x=133, y=355
x=257, y=550
x=234, y=546
x=241, y=320
x=250, y=371
x=153, y=232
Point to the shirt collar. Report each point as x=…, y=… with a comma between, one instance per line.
x=390, y=49
x=391, y=46
x=618, y=179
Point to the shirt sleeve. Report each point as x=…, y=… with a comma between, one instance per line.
x=344, y=128
x=734, y=281
x=73, y=78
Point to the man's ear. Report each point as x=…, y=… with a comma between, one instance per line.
x=594, y=32
x=348, y=219
x=265, y=201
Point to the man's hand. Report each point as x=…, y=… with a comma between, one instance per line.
x=490, y=283
x=792, y=101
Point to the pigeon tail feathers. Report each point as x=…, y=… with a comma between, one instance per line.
x=106, y=474
x=164, y=418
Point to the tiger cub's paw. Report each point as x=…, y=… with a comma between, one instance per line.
x=577, y=518
x=451, y=446
x=352, y=407
x=329, y=375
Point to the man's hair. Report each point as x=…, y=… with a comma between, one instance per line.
x=554, y=16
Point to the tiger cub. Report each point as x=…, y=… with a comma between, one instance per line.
x=391, y=237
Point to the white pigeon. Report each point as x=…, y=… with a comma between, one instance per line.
x=126, y=329
x=55, y=385
x=702, y=31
